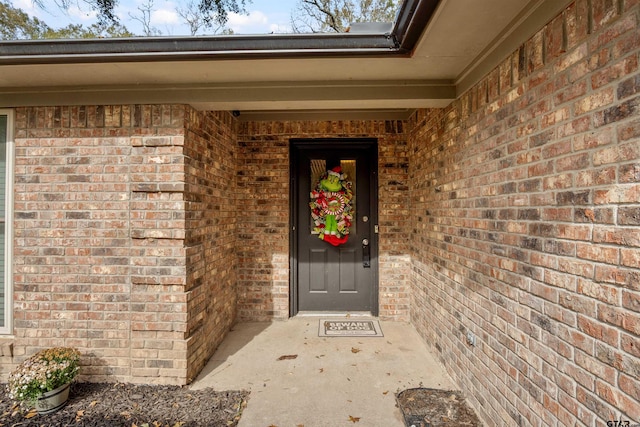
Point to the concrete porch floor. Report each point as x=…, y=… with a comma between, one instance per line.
x=330, y=380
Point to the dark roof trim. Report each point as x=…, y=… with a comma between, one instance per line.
x=411, y=21
x=192, y=48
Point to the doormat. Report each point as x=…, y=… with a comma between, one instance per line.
x=349, y=328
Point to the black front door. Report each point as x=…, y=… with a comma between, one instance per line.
x=334, y=273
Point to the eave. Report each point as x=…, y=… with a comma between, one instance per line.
x=434, y=52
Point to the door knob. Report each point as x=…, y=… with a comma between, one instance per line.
x=365, y=242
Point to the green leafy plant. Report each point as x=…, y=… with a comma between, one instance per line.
x=44, y=371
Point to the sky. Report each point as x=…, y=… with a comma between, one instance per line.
x=265, y=16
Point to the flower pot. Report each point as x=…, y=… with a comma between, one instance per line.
x=53, y=400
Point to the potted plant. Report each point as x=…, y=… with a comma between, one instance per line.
x=42, y=381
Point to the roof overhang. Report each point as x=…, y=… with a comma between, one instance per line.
x=435, y=50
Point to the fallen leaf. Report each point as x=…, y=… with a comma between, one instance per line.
x=321, y=370
x=300, y=425
x=31, y=414
x=288, y=357
x=354, y=419
x=94, y=403
x=385, y=392
x=134, y=425
x=179, y=424
x=79, y=415
x=355, y=350
x=156, y=424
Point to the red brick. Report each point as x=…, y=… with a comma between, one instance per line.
x=628, y=87
x=629, y=173
x=630, y=386
x=554, y=37
x=620, y=194
x=595, y=405
x=606, y=12
x=574, y=127
x=631, y=323
x=604, y=293
x=614, y=72
x=595, y=177
x=629, y=130
x=598, y=253
x=631, y=300
x=594, y=328
x=623, y=403
x=572, y=59
x=577, y=22
x=594, y=101
x=535, y=52
x=578, y=340
x=574, y=91
x=620, y=276
x=493, y=85
x=630, y=258
x=627, y=236
x=506, y=75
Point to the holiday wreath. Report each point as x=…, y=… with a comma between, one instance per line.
x=331, y=207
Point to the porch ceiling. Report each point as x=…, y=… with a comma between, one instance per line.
x=463, y=40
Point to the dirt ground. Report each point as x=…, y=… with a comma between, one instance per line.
x=424, y=407
x=128, y=405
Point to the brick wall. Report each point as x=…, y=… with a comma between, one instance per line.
x=113, y=249
x=129, y=244
x=211, y=232
x=158, y=307
x=263, y=194
x=525, y=207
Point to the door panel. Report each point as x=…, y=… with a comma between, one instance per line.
x=326, y=277
x=317, y=272
x=348, y=278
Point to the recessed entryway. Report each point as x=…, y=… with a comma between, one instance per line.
x=333, y=270
x=321, y=381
